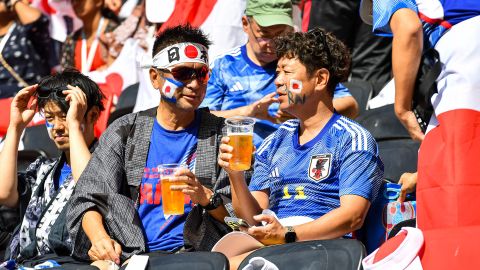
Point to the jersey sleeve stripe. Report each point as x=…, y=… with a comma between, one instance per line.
x=363, y=132
x=352, y=133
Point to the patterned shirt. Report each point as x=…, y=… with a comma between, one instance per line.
x=27, y=51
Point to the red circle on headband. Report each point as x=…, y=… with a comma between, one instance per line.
x=191, y=51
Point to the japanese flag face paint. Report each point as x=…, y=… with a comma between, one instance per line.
x=49, y=129
x=169, y=88
x=296, y=86
x=294, y=91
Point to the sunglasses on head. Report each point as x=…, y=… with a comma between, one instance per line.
x=186, y=73
x=45, y=92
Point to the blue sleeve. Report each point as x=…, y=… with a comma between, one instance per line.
x=261, y=169
x=341, y=91
x=383, y=11
x=361, y=172
x=215, y=89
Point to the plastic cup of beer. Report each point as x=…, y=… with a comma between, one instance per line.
x=240, y=131
x=173, y=201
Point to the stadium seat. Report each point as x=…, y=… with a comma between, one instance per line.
x=383, y=123
x=361, y=91
x=398, y=156
x=189, y=260
x=26, y=157
x=36, y=138
x=336, y=254
x=125, y=103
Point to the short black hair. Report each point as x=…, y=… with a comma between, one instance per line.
x=179, y=34
x=72, y=77
x=317, y=49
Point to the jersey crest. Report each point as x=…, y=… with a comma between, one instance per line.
x=319, y=168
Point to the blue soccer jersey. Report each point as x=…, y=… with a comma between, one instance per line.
x=235, y=81
x=308, y=180
x=437, y=16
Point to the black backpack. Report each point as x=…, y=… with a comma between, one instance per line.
x=425, y=86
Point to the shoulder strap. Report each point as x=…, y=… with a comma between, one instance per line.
x=427, y=82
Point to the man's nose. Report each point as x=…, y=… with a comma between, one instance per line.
x=58, y=124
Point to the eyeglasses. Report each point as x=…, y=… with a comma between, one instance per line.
x=186, y=74
x=45, y=92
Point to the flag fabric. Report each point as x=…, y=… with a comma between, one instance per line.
x=448, y=166
x=62, y=17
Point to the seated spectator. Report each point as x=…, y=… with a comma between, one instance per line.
x=71, y=103
x=322, y=165
x=83, y=49
x=242, y=81
x=117, y=208
x=24, y=46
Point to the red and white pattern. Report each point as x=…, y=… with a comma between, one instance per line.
x=186, y=52
x=448, y=166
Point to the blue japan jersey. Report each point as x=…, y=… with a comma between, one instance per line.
x=235, y=81
x=166, y=147
x=308, y=180
x=437, y=16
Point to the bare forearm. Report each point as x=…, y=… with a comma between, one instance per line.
x=244, y=204
x=346, y=106
x=8, y=167
x=332, y=225
x=406, y=53
x=240, y=111
x=26, y=13
x=79, y=152
x=92, y=224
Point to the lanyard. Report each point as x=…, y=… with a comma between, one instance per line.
x=87, y=60
x=6, y=37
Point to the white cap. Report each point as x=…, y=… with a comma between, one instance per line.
x=404, y=257
x=158, y=11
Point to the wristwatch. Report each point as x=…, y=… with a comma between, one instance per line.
x=290, y=235
x=215, y=201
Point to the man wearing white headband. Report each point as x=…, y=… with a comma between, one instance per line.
x=119, y=204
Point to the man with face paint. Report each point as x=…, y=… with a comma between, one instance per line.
x=242, y=80
x=118, y=205
x=321, y=169
x=71, y=104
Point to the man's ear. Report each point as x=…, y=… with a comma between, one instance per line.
x=245, y=24
x=155, y=78
x=322, y=77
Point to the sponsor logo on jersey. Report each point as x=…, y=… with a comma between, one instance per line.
x=236, y=87
x=319, y=168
